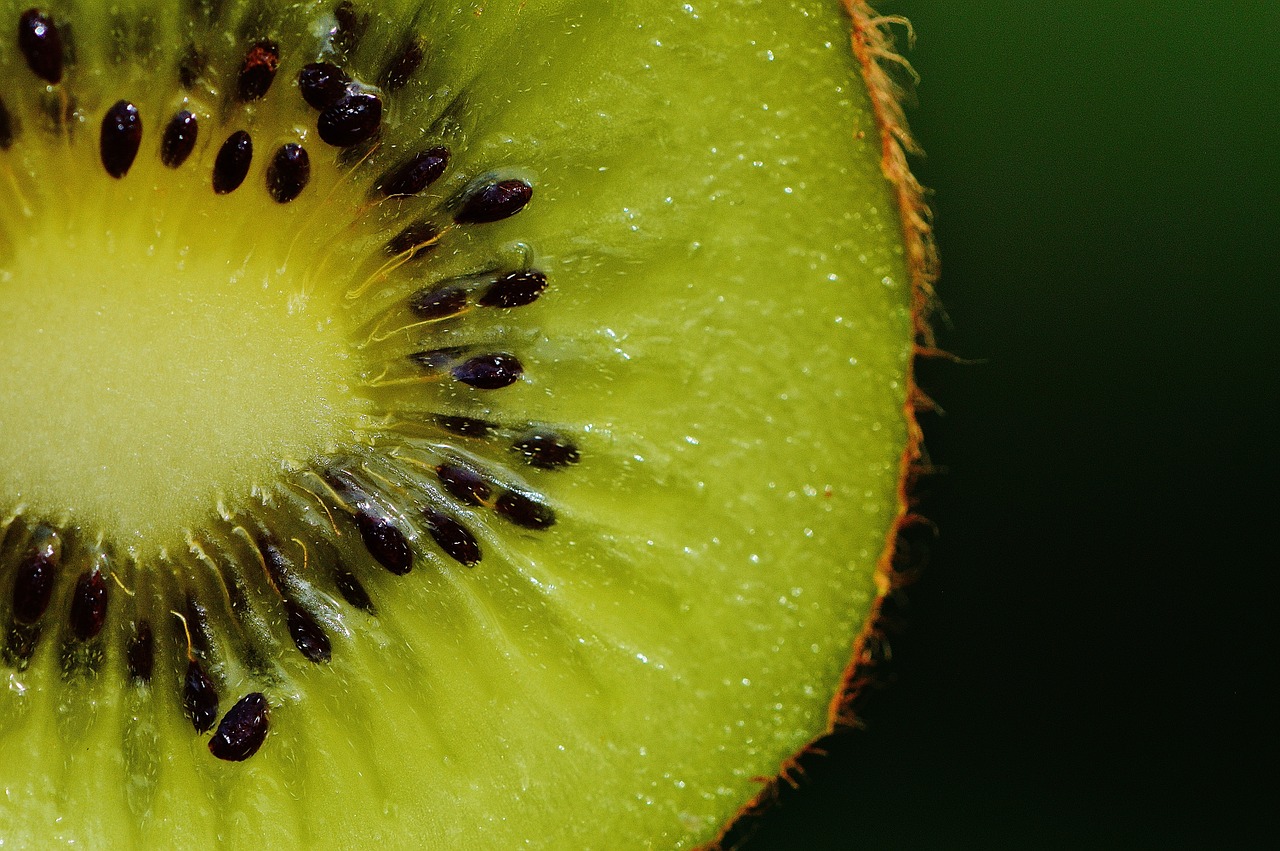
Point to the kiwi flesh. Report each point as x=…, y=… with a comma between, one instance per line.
x=437, y=424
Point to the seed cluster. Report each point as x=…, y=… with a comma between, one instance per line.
x=271, y=572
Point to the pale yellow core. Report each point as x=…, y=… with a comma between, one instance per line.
x=143, y=383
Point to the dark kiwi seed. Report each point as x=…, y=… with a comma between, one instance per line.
x=466, y=426
x=350, y=26
x=196, y=620
x=351, y=119
x=525, y=511
x=415, y=175
x=288, y=173
x=89, y=605
x=546, y=451
x=6, y=128
x=418, y=238
x=402, y=68
x=351, y=590
x=308, y=636
x=436, y=359
x=494, y=201
x=258, y=70
x=33, y=585
x=490, y=371
x=385, y=542
x=199, y=697
x=439, y=304
x=179, y=139
x=40, y=43
x=232, y=163
x=242, y=730
x=121, y=136
x=322, y=83
x=464, y=485
x=140, y=655
x=455, y=539
x=515, y=289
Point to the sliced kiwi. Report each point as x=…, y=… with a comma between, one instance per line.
x=449, y=425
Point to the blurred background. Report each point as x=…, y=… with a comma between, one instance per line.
x=1090, y=657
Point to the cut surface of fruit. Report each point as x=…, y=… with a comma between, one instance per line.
x=434, y=424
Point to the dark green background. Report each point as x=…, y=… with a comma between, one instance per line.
x=1089, y=661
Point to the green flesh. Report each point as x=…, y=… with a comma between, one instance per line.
x=725, y=337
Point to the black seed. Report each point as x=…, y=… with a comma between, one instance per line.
x=232, y=164
x=439, y=304
x=466, y=426
x=494, y=201
x=199, y=698
x=437, y=359
x=197, y=626
x=191, y=67
x=308, y=635
x=515, y=290
x=350, y=120
x=465, y=485
x=417, y=174
x=6, y=128
x=352, y=591
x=350, y=26
x=179, y=139
x=525, y=511
x=258, y=70
x=489, y=372
x=455, y=539
x=121, y=136
x=385, y=543
x=288, y=173
x=89, y=605
x=277, y=565
x=322, y=83
x=40, y=43
x=140, y=654
x=418, y=238
x=242, y=730
x=546, y=451
x=402, y=68
x=33, y=585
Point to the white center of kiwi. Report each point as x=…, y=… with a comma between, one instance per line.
x=142, y=382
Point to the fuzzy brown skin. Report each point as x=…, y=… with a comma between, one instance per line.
x=881, y=65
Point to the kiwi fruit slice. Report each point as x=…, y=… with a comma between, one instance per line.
x=439, y=424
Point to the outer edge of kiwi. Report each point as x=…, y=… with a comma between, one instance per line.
x=882, y=67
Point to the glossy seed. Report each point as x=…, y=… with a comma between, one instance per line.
x=231, y=166
x=89, y=605
x=385, y=543
x=438, y=304
x=352, y=591
x=242, y=730
x=351, y=119
x=494, y=201
x=546, y=451
x=525, y=511
x=199, y=697
x=415, y=240
x=415, y=175
x=464, y=485
x=514, y=290
x=308, y=636
x=121, y=136
x=403, y=67
x=466, y=426
x=288, y=173
x=41, y=44
x=455, y=539
x=6, y=128
x=490, y=371
x=322, y=83
x=258, y=71
x=179, y=139
x=140, y=654
x=33, y=585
